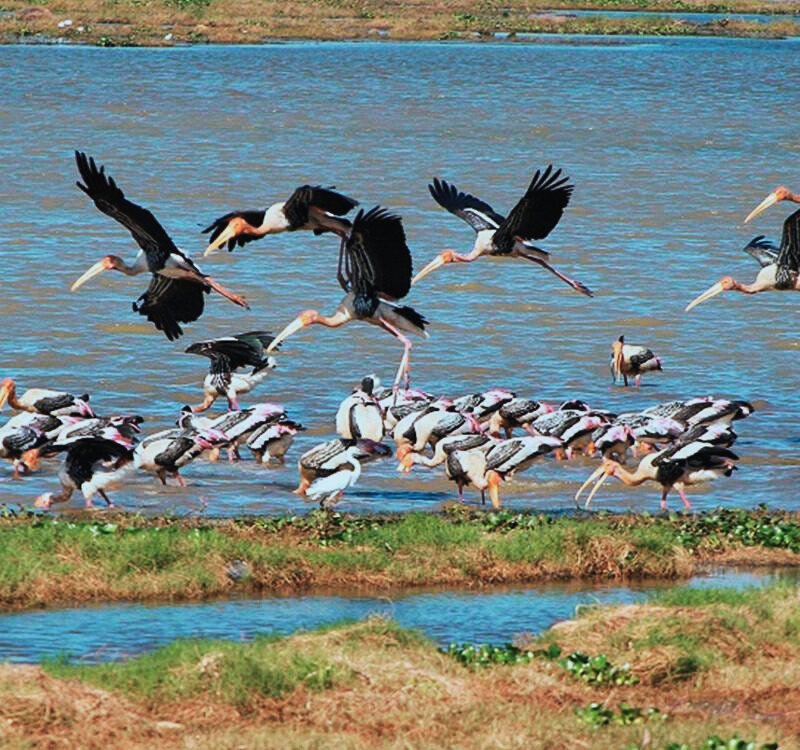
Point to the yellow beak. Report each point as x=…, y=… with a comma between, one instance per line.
x=296, y=325
x=708, y=294
x=4, y=393
x=770, y=200
x=227, y=234
x=95, y=270
x=437, y=262
x=600, y=481
x=596, y=473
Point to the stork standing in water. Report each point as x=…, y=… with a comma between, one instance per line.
x=271, y=441
x=444, y=447
x=780, y=267
x=24, y=434
x=630, y=359
x=309, y=207
x=177, y=286
x=685, y=463
x=44, y=401
x=327, y=459
x=165, y=453
x=92, y=465
x=228, y=354
x=533, y=218
x=520, y=412
x=375, y=272
x=360, y=414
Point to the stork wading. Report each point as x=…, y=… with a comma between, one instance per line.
x=177, y=287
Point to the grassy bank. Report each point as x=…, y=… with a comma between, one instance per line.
x=49, y=562
x=701, y=668
x=168, y=22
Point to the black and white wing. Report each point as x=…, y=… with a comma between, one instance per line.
x=789, y=255
x=143, y=226
x=377, y=261
x=169, y=302
x=325, y=199
x=538, y=211
x=240, y=350
x=763, y=250
x=477, y=213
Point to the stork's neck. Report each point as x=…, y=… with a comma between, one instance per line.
x=642, y=474
x=274, y=220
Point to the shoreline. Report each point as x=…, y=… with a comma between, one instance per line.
x=49, y=563
x=171, y=23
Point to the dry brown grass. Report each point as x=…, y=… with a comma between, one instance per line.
x=250, y=21
x=407, y=695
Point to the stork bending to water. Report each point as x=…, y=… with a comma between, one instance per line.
x=533, y=218
x=176, y=290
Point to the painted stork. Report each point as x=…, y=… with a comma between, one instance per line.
x=329, y=490
x=309, y=207
x=228, y=354
x=122, y=429
x=681, y=465
x=486, y=470
x=23, y=435
x=165, y=453
x=432, y=427
x=177, y=286
x=237, y=426
x=45, y=401
x=396, y=408
x=533, y=218
x=780, y=267
x=680, y=411
x=445, y=446
x=483, y=405
x=630, y=359
x=375, y=271
x=519, y=412
x=567, y=423
x=271, y=441
x=326, y=459
x=612, y=441
x=92, y=465
x=360, y=414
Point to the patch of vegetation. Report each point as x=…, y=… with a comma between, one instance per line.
x=597, y=670
x=717, y=743
x=599, y=715
x=487, y=654
x=751, y=528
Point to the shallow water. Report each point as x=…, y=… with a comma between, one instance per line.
x=120, y=631
x=677, y=16
x=669, y=142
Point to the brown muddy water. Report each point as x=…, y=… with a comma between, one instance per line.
x=670, y=143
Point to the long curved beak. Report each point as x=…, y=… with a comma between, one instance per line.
x=494, y=488
x=4, y=394
x=296, y=325
x=596, y=473
x=227, y=234
x=708, y=294
x=95, y=270
x=597, y=486
x=437, y=262
x=770, y=200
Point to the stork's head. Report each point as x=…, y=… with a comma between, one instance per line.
x=778, y=194
x=447, y=256
x=725, y=284
x=7, y=390
x=109, y=263
x=305, y=318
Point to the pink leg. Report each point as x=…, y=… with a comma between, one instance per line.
x=577, y=285
x=664, y=493
x=405, y=362
x=638, y=381
x=181, y=480
x=682, y=493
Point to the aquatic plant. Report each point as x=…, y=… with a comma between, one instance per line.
x=597, y=670
x=599, y=715
x=487, y=654
x=759, y=528
x=717, y=743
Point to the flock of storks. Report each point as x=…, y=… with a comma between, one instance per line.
x=682, y=442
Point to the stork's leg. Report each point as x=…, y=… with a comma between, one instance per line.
x=638, y=381
x=664, y=493
x=625, y=379
x=181, y=480
x=684, y=498
x=577, y=285
x=207, y=401
x=405, y=363
x=105, y=497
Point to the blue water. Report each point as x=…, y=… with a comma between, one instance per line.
x=698, y=18
x=670, y=143
x=114, y=632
